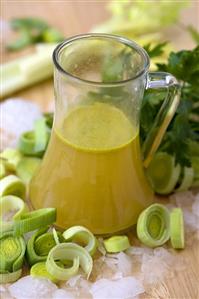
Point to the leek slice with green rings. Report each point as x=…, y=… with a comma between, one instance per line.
x=10, y=205
x=56, y=237
x=80, y=234
x=68, y=251
x=33, y=143
x=177, y=228
x=34, y=220
x=11, y=158
x=40, y=244
x=7, y=277
x=187, y=180
x=39, y=270
x=27, y=167
x=162, y=173
x=12, y=251
x=27, y=144
x=116, y=244
x=41, y=135
x=3, y=171
x=153, y=225
x=12, y=185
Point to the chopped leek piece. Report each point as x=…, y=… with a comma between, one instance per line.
x=10, y=204
x=177, y=229
x=7, y=277
x=163, y=174
x=27, y=167
x=40, y=244
x=3, y=171
x=153, y=225
x=12, y=185
x=11, y=158
x=55, y=236
x=39, y=270
x=80, y=234
x=41, y=135
x=27, y=144
x=68, y=251
x=12, y=251
x=188, y=175
x=34, y=220
x=116, y=244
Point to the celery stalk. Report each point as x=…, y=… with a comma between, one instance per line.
x=26, y=71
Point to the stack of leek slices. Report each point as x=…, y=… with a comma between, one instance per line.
x=59, y=256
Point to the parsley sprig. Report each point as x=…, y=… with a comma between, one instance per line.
x=182, y=136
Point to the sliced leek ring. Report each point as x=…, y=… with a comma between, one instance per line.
x=39, y=270
x=12, y=185
x=188, y=176
x=7, y=277
x=177, y=229
x=116, y=244
x=10, y=204
x=41, y=135
x=11, y=158
x=80, y=234
x=162, y=173
x=12, y=251
x=27, y=167
x=34, y=220
x=3, y=171
x=68, y=251
x=40, y=244
x=153, y=226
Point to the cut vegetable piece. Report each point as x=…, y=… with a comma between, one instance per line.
x=34, y=220
x=27, y=144
x=2, y=169
x=69, y=251
x=80, y=234
x=10, y=205
x=163, y=174
x=177, y=228
x=44, y=243
x=39, y=270
x=31, y=254
x=117, y=244
x=188, y=175
x=40, y=244
x=195, y=165
x=49, y=119
x=11, y=158
x=8, y=277
x=153, y=225
x=41, y=135
x=12, y=251
x=12, y=185
x=27, y=167
x=26, y=71
x=55, y=236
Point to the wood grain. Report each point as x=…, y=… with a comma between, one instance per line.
x=74, y=17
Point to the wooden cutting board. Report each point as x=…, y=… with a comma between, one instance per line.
x=72, y=18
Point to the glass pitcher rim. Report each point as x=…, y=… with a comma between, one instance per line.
x=141, y=51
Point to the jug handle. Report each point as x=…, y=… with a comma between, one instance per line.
x=158, y=80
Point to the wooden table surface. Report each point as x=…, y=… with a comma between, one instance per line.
x=74, y=17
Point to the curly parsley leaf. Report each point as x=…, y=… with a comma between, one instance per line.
x=184, y=128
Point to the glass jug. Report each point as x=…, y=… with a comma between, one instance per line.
x=93, y=169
